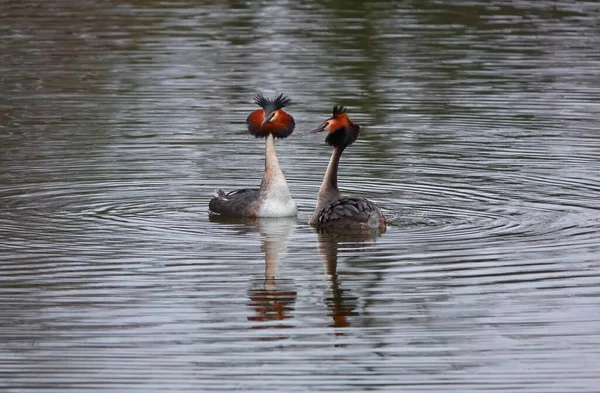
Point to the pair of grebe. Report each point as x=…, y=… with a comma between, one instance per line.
x=273, y=198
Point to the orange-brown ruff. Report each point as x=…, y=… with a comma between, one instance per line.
x=271, y=119
x=333, y=211
x=273, y=198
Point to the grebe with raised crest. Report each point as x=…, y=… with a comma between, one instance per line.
x=333, y=211
x=273, y=198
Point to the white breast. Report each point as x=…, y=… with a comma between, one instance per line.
x=277, y=200
x=278, y=208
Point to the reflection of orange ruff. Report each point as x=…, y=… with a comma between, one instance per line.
x=271, y=305
x=341, y=305
x=340, y=320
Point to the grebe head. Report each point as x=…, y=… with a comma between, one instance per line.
x=341, y=131
x=271, y=119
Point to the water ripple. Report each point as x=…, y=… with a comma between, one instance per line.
x=478, y=140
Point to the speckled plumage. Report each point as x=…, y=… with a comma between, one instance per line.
x=349, y=213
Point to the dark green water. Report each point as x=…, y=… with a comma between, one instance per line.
x=480, y=141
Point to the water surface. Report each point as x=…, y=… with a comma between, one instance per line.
x=479, y=140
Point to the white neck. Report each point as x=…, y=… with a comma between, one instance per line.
x=274, y=192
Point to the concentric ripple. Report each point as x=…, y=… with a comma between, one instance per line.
x=479, y=141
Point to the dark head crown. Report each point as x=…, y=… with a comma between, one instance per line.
x=269, y=105
x=338, y=110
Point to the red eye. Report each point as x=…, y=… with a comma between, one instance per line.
x=326, y=124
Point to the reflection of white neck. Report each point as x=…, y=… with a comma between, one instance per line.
x=276, y=200
x=275, y=232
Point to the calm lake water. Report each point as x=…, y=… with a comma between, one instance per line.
x=480, y=141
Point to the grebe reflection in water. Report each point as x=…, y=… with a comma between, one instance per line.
x=273, y=297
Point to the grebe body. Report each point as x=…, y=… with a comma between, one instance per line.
x=273, y=198
x=334, y=211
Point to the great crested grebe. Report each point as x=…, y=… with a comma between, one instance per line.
x=273, y=198
x=334, y=211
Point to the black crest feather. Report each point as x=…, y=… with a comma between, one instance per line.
x=338, y=110
x=269, y=105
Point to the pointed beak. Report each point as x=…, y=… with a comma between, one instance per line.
x=320, y=128
x=266, y=119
